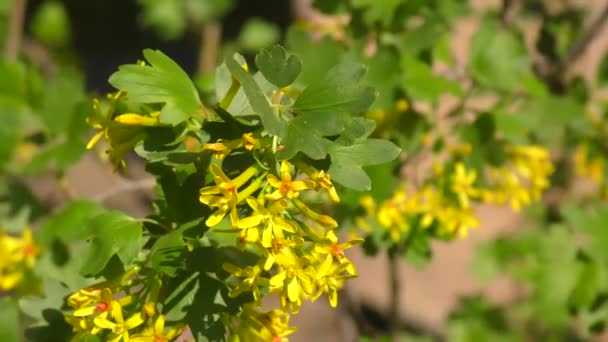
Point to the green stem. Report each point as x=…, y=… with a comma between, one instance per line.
x=234, y=88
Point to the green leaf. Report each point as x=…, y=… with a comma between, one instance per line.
x=318, y=56
x=258, y=34
x=341, y=91
x=201, y=11
x=347, y=161
x=323, y=109
x=62, y=236
x=51, y=24
x=168, y=254
x=356, y=130
x=382, y=77
x=9, y=135
x=167, y=17
x=9, y=320
x=111, y=233
x=163, y=81
x=378, y=11
x=423, y=37
x=259, y=102
x=58, y=109
x=556, y=275
x=53, y=297
x=420, y=82
x=68, y=224
x=278, y=68
x=498, y=57
x=305, y=133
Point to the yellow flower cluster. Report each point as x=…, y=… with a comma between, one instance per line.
x=301, y=257
x=103, y=307
x=121, y=131
x=252, y=325
x=446, y=207
x=17, y=258
x=523, y=180
x=587, y=166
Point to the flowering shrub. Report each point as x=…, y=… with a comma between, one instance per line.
x=365, y=129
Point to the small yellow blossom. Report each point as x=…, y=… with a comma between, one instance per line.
x=322, y=180
x=119, y=326
x=269, y=219
x=462, y=181
x=592, y=168
x=122, y=132
x=286, y=187
x=329, y=278
x=157, y=332
x=224, y=194
x=17, y=258
x=250, y=279
x=294, y=281
x=254, y=326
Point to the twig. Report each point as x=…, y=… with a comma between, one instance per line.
x=509, y=11
x=580, y=46
x=395, y=294
x=143, y=184
x=396, y=285
x=210, y=41
x=15, y=30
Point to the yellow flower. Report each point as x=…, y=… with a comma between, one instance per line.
x=294, y=280
x=119, y=327
x=286, y=187
x=280, y=249
x=100, y=303
x=253, y=326
x=533, y=163
x=250, y=279
x=321, y=180
x=250, y=143
x=324, y=220
x=224, y=194
x=17, y=258
x=122, y=132
x=329, y=245
x=457, y=221
x=81, y=326
x=329, y=278
x=156, y=333
x=462, y=184
x=391, y=215
x=221, y=149
x=592, y=169
x=269, y=219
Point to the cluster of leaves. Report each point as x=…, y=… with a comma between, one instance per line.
x=173, y=19
x=562, y=267
x=243, y=167
x=231, y=223
x=503, y=97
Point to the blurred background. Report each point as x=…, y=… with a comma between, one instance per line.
x=88, y=40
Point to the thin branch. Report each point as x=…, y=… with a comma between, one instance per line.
x=14, y=33
x=509, y=11
x=578, y=48
x=395, y=295
x=144, y=184
x=211, y=35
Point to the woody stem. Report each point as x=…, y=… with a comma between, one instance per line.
x=14, y=33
